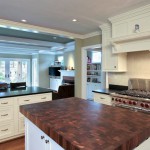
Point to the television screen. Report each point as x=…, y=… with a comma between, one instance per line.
x=53, y=71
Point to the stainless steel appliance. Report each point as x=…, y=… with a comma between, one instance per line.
x=137, y=97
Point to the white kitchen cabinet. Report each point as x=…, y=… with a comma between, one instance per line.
x=91, y=87
x=102, y=98
x=7, y=117
x=124, y=24
x=11, y=120
x=55, y=83
x=30, y=99
x=36, y=139
x=111, y=62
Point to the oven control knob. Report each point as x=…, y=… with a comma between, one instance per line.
x=120, y=100
x=134, y=103
x=124, y=102
x=142, y=104
x=116, y=99
x=147, y=105
x=130, y=102
x=112, y=99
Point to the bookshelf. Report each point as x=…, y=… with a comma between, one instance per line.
x=93, y=72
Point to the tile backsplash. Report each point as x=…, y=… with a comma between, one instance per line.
x=138, y=66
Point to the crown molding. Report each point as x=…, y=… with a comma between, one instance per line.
x=130, y=14
x=48, y=30
x=91, y=34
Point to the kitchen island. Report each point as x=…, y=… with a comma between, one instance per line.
x=78, y=124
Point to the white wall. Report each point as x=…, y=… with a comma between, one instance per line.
x=138, y=66
x=45, y=60
x=69, y=59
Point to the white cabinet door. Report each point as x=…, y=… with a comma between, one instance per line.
x=34, y=140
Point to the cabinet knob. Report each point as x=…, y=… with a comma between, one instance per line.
x=42, y=137
x=114, y=66
x=46, y=141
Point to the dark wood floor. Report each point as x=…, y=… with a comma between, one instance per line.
x=17, y=144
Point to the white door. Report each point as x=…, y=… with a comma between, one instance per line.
x=14, y=70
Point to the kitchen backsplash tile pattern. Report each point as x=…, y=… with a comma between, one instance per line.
x=138, y=66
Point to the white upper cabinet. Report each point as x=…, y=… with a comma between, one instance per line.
x=111, y=62
x=131, y=23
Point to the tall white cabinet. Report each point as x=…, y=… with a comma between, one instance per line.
x=111, y=62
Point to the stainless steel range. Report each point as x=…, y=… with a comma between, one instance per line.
x=136, y=98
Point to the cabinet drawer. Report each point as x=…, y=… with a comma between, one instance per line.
x=6, y=102
x=102, y=98
x=21, y=125
x=23, y=100
x=45, y=97
x=6, y=114
x=6, y=130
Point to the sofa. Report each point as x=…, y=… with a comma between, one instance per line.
x=65, y=90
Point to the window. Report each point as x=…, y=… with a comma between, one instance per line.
x=96, y=57
x=14, y=70
x=61, y=59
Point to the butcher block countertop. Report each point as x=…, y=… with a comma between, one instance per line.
x=78, y=124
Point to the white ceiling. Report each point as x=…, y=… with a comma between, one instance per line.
x=58, y=14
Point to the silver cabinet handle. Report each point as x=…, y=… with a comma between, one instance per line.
x=43, y=98
x=4, y=115
x=4, y=130
x=26, y=100
x=46, y=141
x=4, y=103
x=42, y=137
x=102, y=98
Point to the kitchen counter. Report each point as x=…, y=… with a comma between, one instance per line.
x=105, y=91
x=23, y=91
x=112, y=89
x=78, y=124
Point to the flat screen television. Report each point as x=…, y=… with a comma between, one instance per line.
x=53, y=71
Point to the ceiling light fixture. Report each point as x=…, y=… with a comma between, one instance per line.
x=14, y=28
x=74, y=20
x=54, y=37
x=35, y=31
x=25, y=30
x=23, y=20
x=3, y=26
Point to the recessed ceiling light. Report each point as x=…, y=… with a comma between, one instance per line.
x=35, y=31
x=3, y=26
x=15, y=28
x=54, y=37
x=74, y=20
x=23, y=20
x=25, y=30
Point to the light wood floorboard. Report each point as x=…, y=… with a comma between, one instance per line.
x=17, y=144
